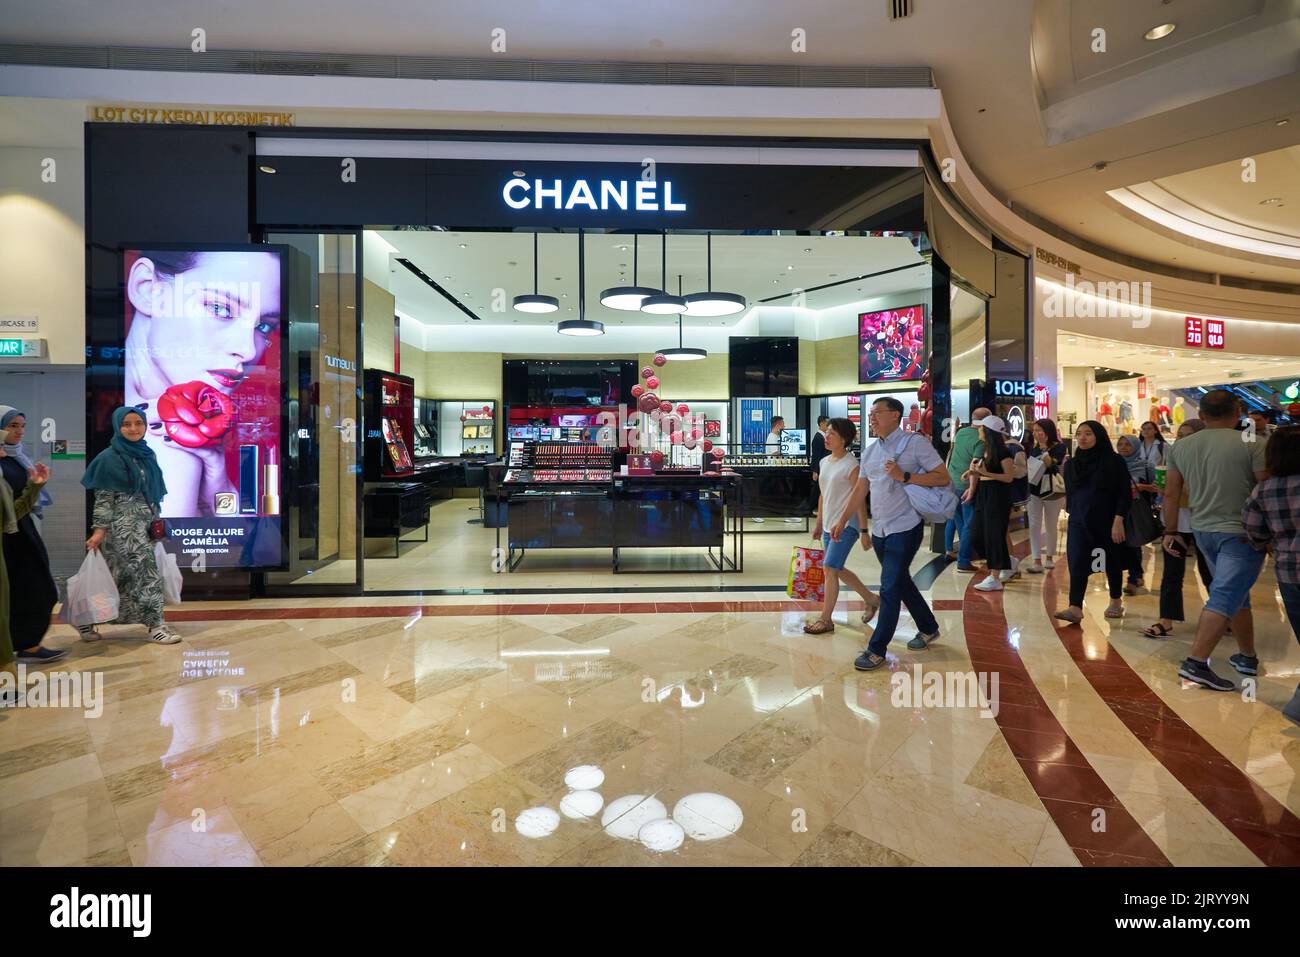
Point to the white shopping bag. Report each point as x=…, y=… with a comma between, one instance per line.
x=92, y=594
x=171, y=574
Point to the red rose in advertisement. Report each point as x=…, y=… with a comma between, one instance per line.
x=195, y=414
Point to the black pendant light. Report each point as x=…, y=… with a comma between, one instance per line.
x=536, y=302
x=628, y=298
x=681, y=353
x=710, y=303
x=664, y=303
x=582, y=326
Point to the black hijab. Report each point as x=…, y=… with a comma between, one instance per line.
x=1085, y=462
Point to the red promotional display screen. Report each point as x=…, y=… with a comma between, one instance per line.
x=203, y=363
x=891, y=345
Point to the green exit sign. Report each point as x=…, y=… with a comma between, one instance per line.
x=22, y=347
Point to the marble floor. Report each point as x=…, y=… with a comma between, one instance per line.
x=688, y=729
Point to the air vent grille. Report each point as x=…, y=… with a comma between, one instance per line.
x=898, y=9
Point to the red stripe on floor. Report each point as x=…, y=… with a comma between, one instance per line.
x=1062, y=777
x=1255, y=817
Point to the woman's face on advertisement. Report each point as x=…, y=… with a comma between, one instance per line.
x=17, y=425
x=211, y=323
x=133, y=427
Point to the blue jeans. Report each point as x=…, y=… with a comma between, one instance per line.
x=895, y=553
x=1235, y=565
x=959, y=524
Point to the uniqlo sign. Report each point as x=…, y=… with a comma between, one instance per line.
x=1142, y=387
x=1214, y=333
x=1195, y=334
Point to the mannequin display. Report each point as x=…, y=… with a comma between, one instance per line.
x=1125, y=415
x=1166, y=422
x=1153, y=416
x=1106, y=411
x=1179, y=414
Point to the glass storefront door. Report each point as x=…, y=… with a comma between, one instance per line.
x=322, y=469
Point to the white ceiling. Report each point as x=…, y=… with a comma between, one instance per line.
x=1172, y=368
x=1014, y=76
x=756, y=267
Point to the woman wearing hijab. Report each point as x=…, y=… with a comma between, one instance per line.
x=990, y=478
x=16, y=423
x=1143, y=476
x=12, y=509
x=128, y=489
x=32, y=592
x=1098, y=496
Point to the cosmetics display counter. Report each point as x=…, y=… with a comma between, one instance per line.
x=569, y=496
x=774, y=486
x=394, y=509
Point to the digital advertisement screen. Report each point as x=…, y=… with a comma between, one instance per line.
x=891, y=345
x=203, y=362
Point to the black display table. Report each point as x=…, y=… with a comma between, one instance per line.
x=625, y=512
x=393, y=509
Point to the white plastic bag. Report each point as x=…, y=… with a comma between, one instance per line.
x=92, y=593
x=171, y=574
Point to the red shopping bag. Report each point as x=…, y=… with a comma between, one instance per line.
x=807, y=581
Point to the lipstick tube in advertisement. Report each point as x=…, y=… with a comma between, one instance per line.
x=271, y=483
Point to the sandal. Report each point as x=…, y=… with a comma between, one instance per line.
x=819, y=627
x=1114, y=612
x=1157, y=631
x=870, y=613
x=1067, y=615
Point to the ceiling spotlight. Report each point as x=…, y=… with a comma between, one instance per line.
x=535, y=303
x=1271, y=201
x=664, y=303
x=518, y=173
x=267, y=169
x=1282, y=122
x=1160, y=32
x=627, y=298
x=464, y=246
x=712, y=303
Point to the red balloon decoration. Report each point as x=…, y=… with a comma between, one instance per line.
x=637, y=391
x=708, y=446
x=683, y=409
x=696, y=434
x=652, y=382
x=647, y=372
x=927, y=423
x=487, y=408
x=717, y=453
x=648, y=402
x=923, y=392
x=665, y=406
x=675, y=438
x=656, y=459
x=660, y=359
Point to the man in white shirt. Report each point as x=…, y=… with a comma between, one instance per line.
x=896, y=459
x=772, y=446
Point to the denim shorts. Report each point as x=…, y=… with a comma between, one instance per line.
x=837, y=553
x=1235, y=565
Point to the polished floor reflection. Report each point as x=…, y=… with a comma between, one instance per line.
x=654, y=730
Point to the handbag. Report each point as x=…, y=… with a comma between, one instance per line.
x=1142, y=525
x=157, y=530
x=936, y=504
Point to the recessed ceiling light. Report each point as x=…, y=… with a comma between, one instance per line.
x=982, y=109
x=267, y=169
x=1282, y=122
x=464, y=246
x=1160, y=32
x=519, y=172
x=1271, y=201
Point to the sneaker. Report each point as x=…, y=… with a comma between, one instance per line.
x=1292, y=709
x=759, y=521
x=162, y=635
x=89, y=633
x=1203, y=675
x=40, y=656
x=794, y=521
x=989, y=584
x=1036, y=568
x=1048, y=563
x=967, y=569
x=868, y=662
x=922, y=641
x=1246, y=664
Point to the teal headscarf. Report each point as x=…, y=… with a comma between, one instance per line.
x=127, y=466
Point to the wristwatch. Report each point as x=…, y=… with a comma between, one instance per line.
x=907, y=477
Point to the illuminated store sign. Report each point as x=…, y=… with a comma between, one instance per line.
x=1013, y=389
x=640, y=195
x=1016, y=423
x=1042, y=402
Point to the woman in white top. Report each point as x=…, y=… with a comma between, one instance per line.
x=1153, y=447
x=835, y=480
